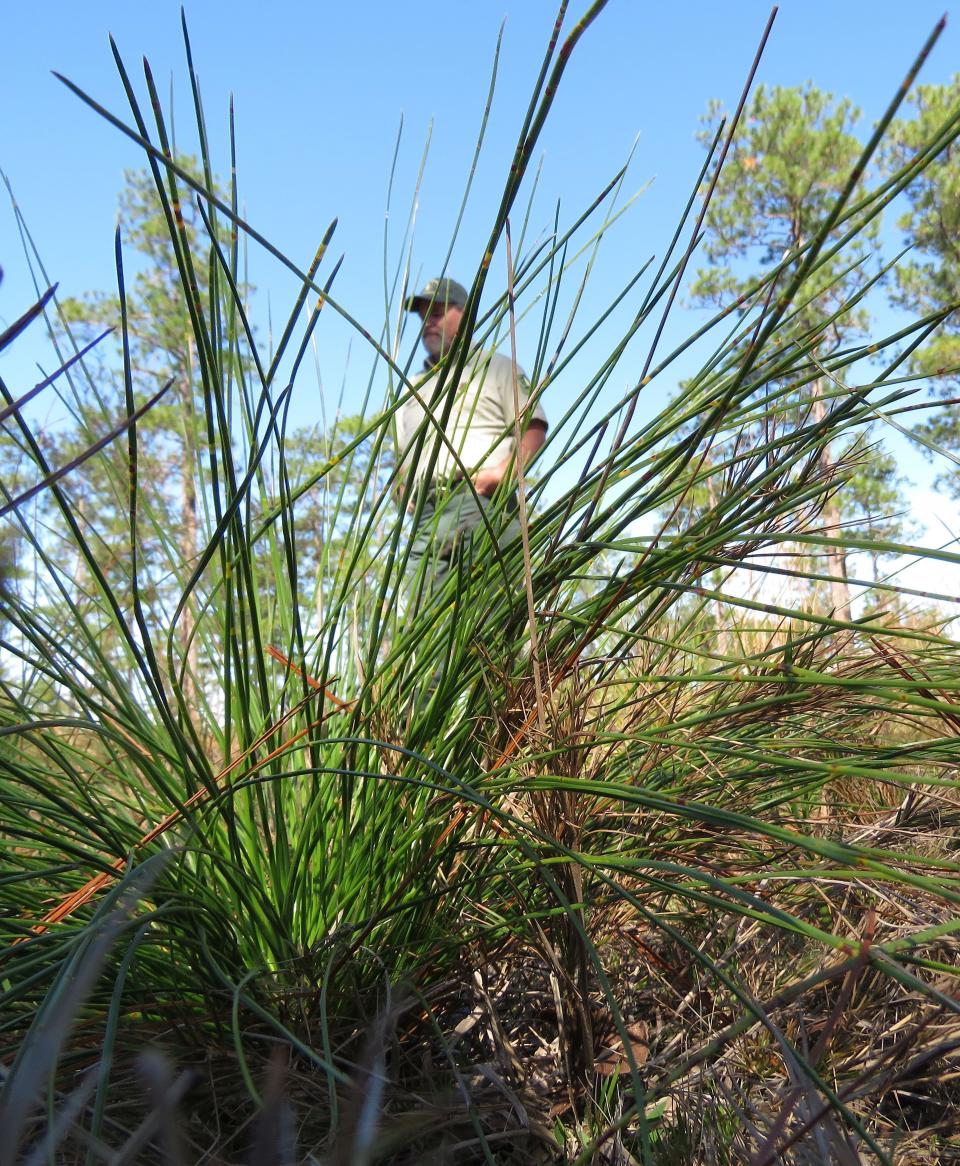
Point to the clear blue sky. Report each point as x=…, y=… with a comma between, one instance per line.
x=320, y=90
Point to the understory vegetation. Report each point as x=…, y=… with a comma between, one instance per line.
x=635, y=842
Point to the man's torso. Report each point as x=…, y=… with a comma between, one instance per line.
x=479, y=429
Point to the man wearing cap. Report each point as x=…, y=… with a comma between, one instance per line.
x=480, y=429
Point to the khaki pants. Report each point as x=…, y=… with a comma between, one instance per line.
x=451, y=517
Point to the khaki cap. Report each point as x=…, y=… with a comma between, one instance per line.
x=439, y=291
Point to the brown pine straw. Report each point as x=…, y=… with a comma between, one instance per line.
x=70, y=903
x=894, y=657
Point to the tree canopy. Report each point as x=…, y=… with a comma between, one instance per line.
x=789, y=163
x=790, y=159
x=928, y=280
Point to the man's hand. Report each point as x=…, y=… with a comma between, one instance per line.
x=487, y=480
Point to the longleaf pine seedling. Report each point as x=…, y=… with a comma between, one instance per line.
x=594, y=853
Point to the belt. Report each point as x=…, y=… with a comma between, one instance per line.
x=441, y=488
x=437, y=488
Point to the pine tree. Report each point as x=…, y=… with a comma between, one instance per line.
x=929, y=281
x=172, y=437
x=792, y=155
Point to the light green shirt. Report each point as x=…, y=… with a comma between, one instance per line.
x=481, y=423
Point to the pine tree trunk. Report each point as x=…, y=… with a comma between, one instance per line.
x=721, y=616
x=836, y=558
x=188, y=535
x=188, y=552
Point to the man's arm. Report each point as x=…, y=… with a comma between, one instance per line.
x=487, y=480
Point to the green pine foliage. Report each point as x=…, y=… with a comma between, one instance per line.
x=928, y=281
x=789, y=162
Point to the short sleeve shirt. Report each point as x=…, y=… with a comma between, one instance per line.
x=481, y=423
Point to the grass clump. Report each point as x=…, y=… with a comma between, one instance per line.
x=371, y=880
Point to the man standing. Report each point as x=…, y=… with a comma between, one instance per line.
x=479, y=431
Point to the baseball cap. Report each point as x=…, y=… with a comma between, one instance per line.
x=439, y=291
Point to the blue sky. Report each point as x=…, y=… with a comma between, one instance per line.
x=320, y=90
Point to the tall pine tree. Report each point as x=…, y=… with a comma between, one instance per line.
x=929, y=279
x=792, y=155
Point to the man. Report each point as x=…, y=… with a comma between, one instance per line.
x=480, y=430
